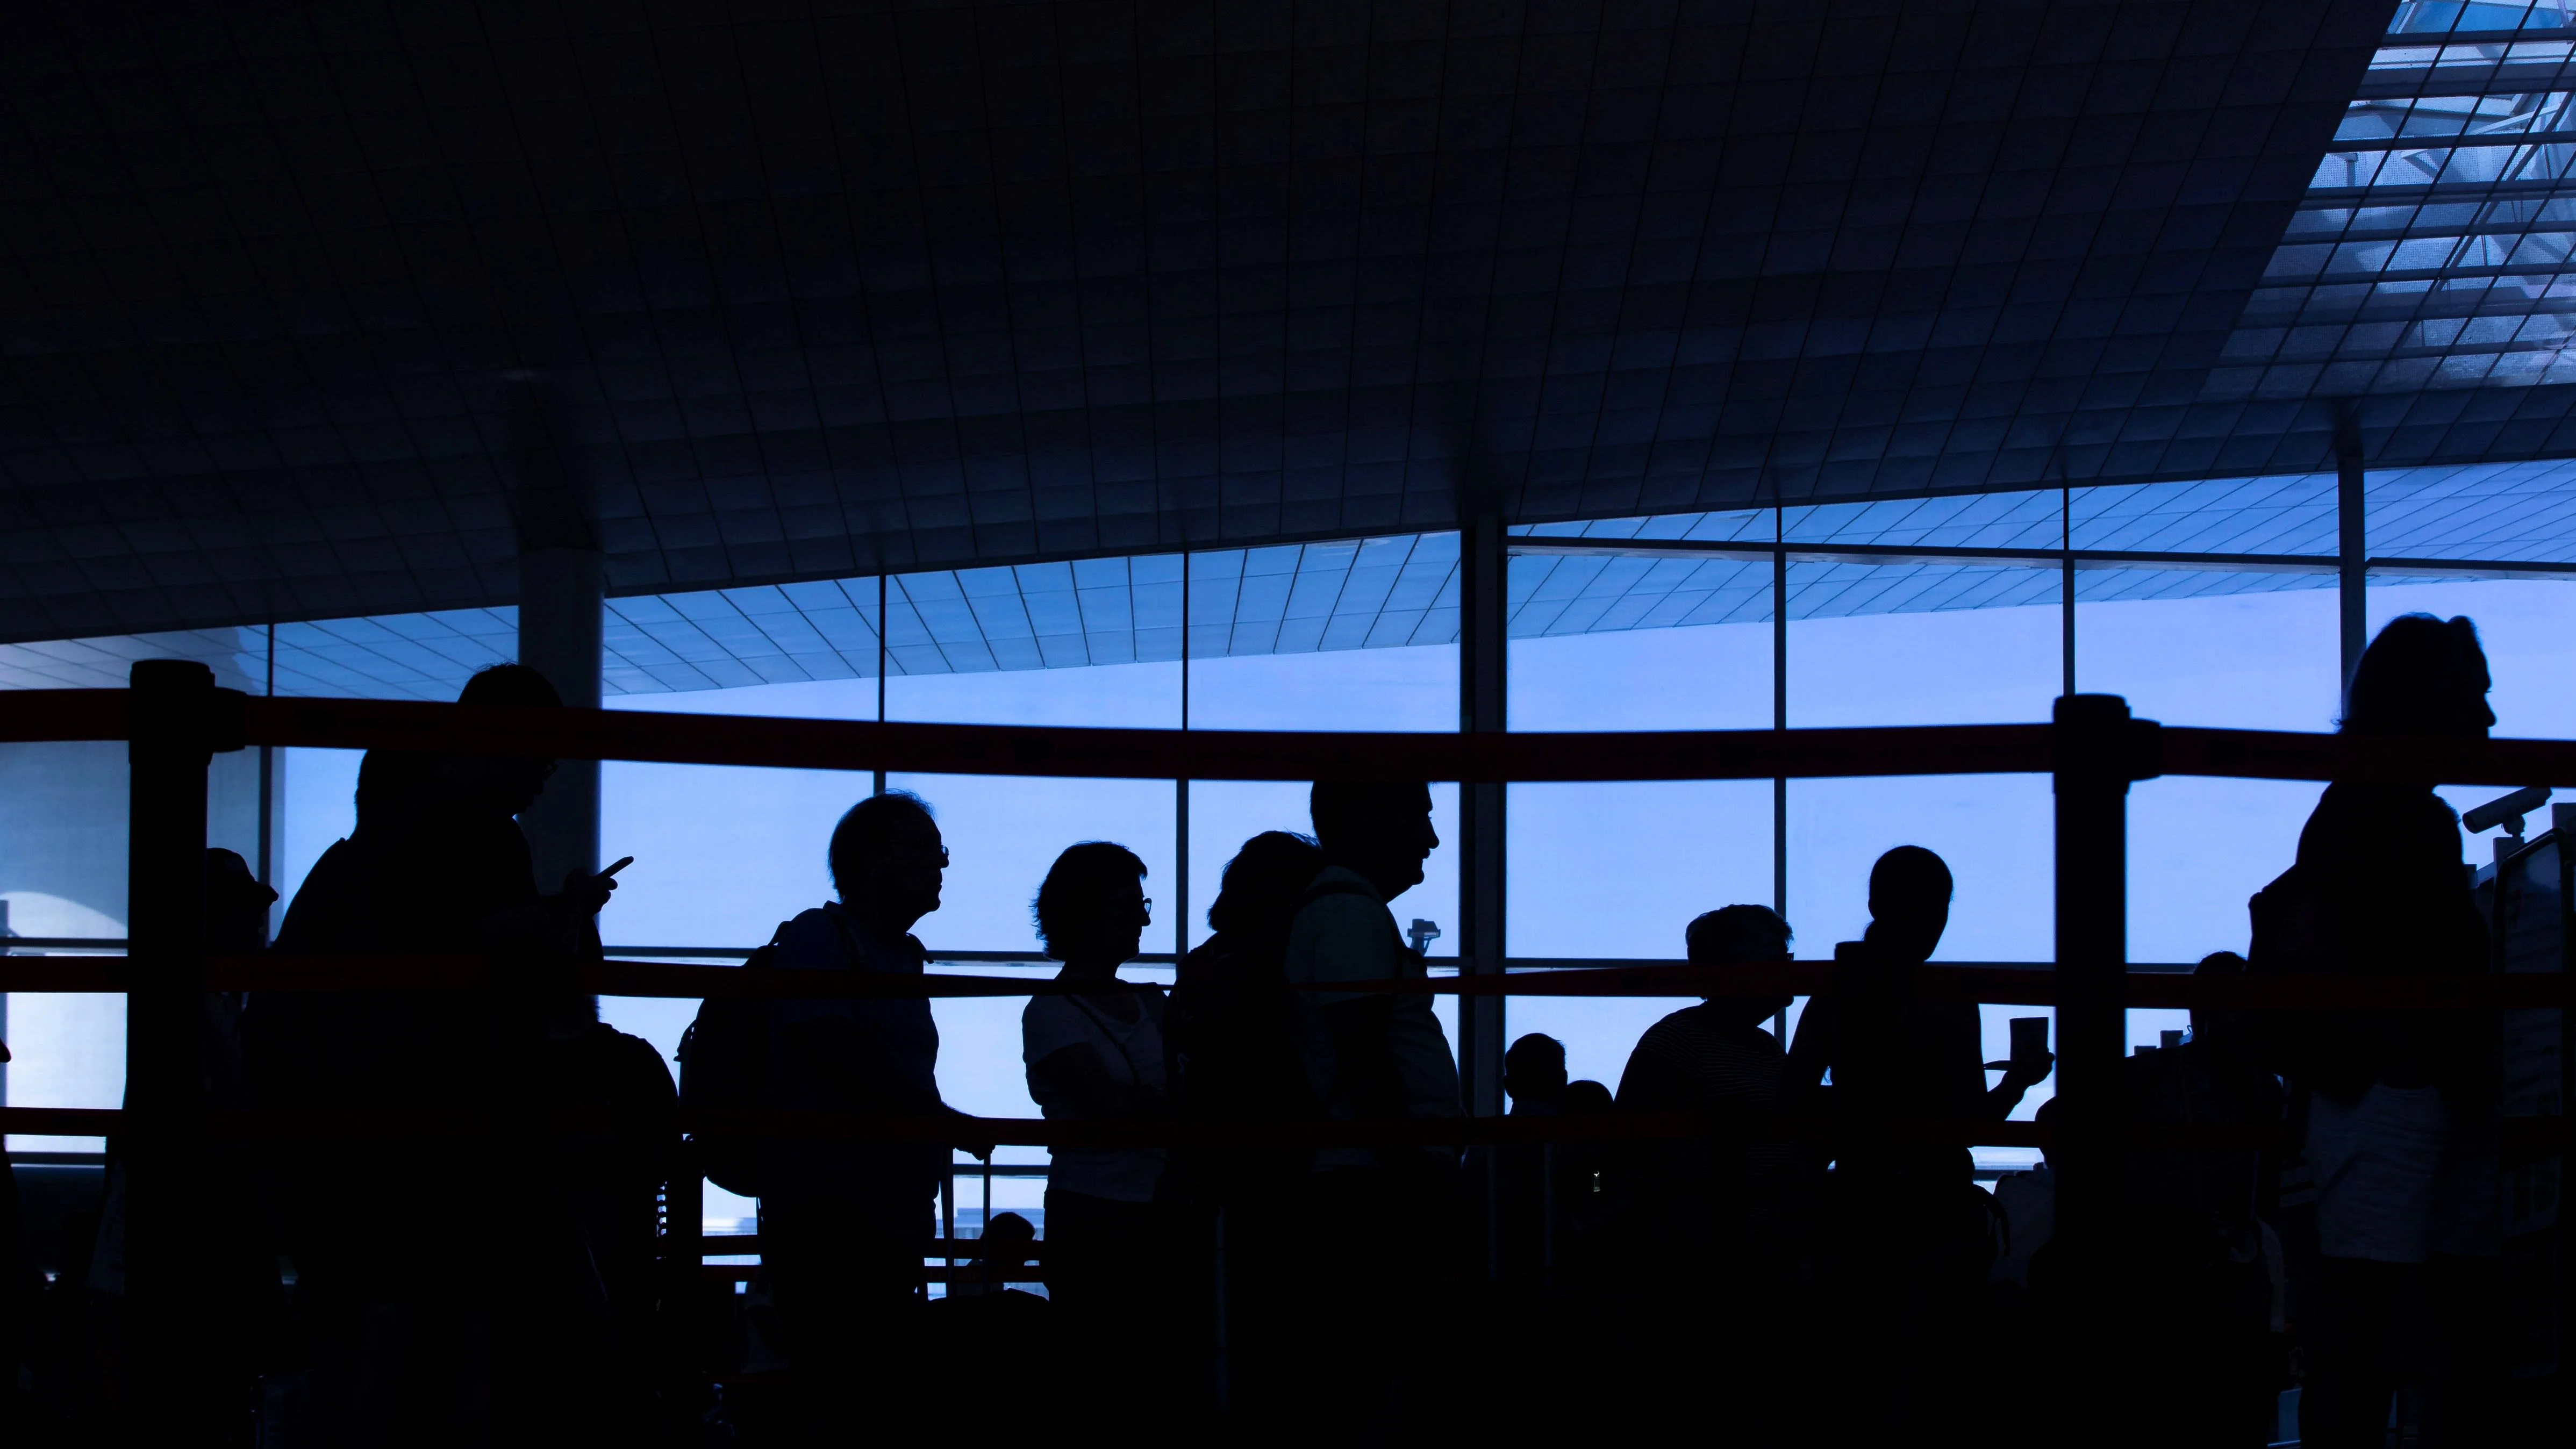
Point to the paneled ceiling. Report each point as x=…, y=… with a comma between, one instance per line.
x=328, y=312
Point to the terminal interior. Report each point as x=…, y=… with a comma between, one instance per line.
x=1374, y=368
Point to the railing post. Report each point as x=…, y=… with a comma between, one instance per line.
x=2098, y=750
x=179, y=720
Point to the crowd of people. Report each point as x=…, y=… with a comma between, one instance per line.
x=1322, y=1279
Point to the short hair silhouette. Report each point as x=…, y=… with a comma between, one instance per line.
x=1906, y=881
x=1535, y=1052
x=1738, y=933
x=1261, y=885
x=1588, y=1098
x=390, y=780
x=869, y=827
x=510, y=684
x=2421, y=676
x=1075, y=885
x=1340, y=807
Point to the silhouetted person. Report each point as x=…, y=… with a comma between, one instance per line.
x=1096, y=1054
x=233, y=1242
x=612, y=1180
x=1534, y=1080
x=1230, y=1035
x=1005, y=1359
x=1373, y=1213
x=1001, y=1256
x=404, y=1291
x=1911, y=1234
x=2198, y=1259
x=845, y=1224
x=1534, y=1075
x=1230, y=1030
x=2400, y=1105
x=1703, y=1203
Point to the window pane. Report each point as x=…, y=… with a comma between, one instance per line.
x=1973, y=646
x=1410, y=688
x=2223, y=650
x=1618, y=870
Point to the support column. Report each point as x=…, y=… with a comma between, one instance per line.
x=2352, y=551
x=180, y=719
x=559, y=623
x=1483, y=657
x=560, y=588
x=2099, y=749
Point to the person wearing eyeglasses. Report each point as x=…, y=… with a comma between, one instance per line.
x=844, y=1224
x=1095, y=1053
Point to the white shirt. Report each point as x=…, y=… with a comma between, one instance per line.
x=1351, y=936
x=1132, y=1053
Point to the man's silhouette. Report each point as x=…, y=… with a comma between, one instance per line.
x=1912, y=1235
x=1369, y=1056
x=1696, y=1200
x=844, y=1223
x=400, y=1283
x=1534, y=1075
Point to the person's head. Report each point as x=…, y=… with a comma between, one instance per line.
x=1588, y=1098
x=2210, y=1026
x=2421, y=676
x=1534, y=1069
x=1380, y=830
x=1092, y=908
x=1909, y=902
x=236, y=906
x=1005, y=1244
x=508, y=783
x=389, y=785
x=1740, y=934
x=1259, y=889
x=887, y=860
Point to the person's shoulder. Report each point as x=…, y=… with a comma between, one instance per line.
x=813, y=940
x=1674, y=1029
x=634, y=1060
x=1340, y=894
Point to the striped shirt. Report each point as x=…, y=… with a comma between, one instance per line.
x=1691, y=1061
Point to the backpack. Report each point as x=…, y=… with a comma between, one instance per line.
x=1230, y=1047
x=2293, y=934
x=724, y=1067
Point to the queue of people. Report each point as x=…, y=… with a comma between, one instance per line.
x=1865, y=1288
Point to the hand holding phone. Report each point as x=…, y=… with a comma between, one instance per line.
x=590, y=892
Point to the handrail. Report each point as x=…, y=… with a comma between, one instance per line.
x=360, y=1125
x=771, y=742
x=1989, y=983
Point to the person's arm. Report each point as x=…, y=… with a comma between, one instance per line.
x=1811, y=1053
x=1364, y=1069
x=2019, y=1076
x=1340, y=938
x=1077, y=1075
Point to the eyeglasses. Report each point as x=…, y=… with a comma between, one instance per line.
x=907, y=857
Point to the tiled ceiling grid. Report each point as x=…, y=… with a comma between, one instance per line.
x=822, y=295
x=2433, y=249
x=1392, y=591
